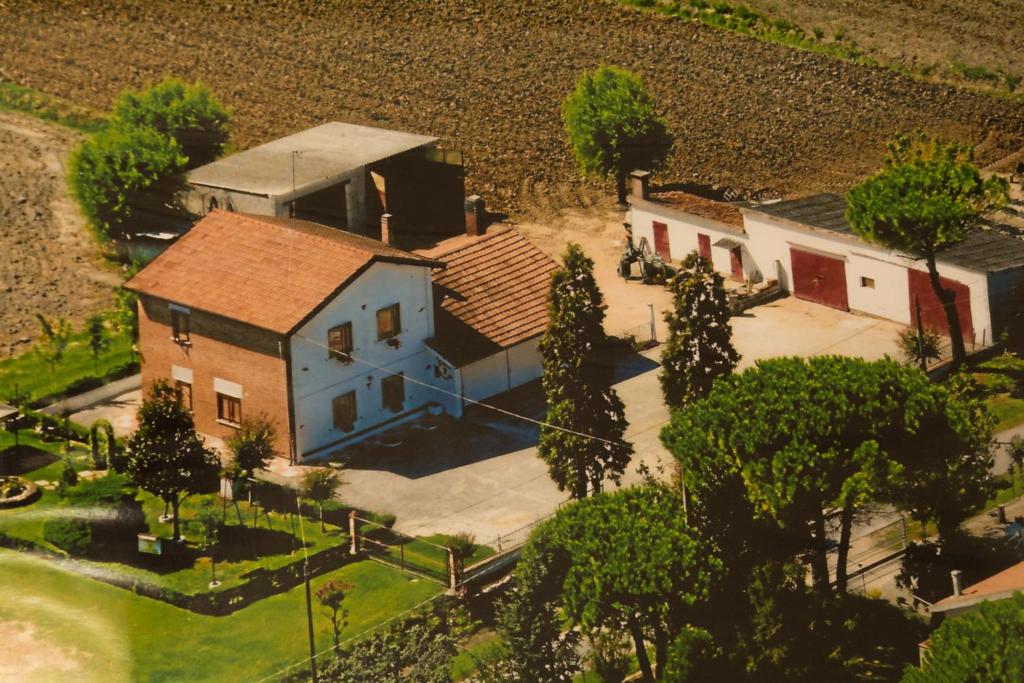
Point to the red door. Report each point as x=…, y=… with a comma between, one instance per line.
x=819, y=278
x=704, y=246
x=661, y=240
x=736, y=263
x=933, y=314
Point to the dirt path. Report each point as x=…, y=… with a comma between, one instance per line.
x=48, y=263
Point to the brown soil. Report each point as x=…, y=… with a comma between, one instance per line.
x=918, y=33
x=489, y=76
x=28, y=656
x=48, y=263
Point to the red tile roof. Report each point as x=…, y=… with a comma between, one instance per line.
x=699, y=206
x=996, y=586
x=265, y=271
x=491, y=295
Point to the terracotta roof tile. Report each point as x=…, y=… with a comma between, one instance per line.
x=699, y=206
x=491, y=295
x=265, y=271
x=1005, y=582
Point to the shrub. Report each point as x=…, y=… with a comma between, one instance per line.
x=110, y=169
x=69, y=534
x=187, y=113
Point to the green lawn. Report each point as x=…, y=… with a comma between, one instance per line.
x=30, y=373
x=1002, y=380
x=111, y=634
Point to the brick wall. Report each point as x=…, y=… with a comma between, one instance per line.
x=220, y=348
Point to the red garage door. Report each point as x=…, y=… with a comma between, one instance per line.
x=933, y=315
x=818, y=278
x=661, y=247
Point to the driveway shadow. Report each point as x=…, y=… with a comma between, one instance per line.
x=452, y=444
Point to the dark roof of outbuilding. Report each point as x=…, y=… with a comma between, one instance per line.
x=983, y=250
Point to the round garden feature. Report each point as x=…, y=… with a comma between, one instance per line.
x=15, y=491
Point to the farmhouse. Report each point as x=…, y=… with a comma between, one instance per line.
x=336, y=336
x=340, y=175
x=807, y=246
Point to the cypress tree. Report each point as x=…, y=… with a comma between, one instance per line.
x=577, y=387
x=699, y=348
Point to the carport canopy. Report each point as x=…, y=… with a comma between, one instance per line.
x=726, y=243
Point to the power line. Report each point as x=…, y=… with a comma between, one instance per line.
x=347, y=640
x=495, y=408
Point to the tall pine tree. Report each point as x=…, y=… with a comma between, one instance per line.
x=580, y=399
x=699, y=348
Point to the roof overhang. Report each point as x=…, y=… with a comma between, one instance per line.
x=304, y=162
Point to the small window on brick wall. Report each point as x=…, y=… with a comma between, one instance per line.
x=343, y=410
x=184, y=392
x=229, y=409
x=339, y=341
x=868, y=282
x=393, y=392
x=179, y=326
x=389, y=323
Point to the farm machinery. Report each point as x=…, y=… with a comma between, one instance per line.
x=653, y=268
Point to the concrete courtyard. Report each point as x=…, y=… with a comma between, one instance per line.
x=484, y=475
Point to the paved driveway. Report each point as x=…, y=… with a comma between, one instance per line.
x=483, y=475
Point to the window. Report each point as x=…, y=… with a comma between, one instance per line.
x=393, y=392
x=229, y=409
x=389, y=323
x=184, y=392
x=343, y=410
x=339, y=341
x=868, y=282
x=180, y=326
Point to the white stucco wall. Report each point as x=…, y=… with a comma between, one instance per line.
x=501, y=371
x=682, y=237
x=768, y=241
x=317, y=379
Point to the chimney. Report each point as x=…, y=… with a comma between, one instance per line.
x=388, y=230
x=640, y=184
x=958, y=581
x=475, y=225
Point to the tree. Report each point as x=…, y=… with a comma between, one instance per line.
x=165, y=456
x=109, y=171
x=54, y=339
x=583, y=444
x=986, y=644
x=928, y=198
x=627, y=562
x=331, y=595
x=797, y=438
x=319, y=484
x=699, y=348
x=613, y=126
x=947, y=474
x=98, y=341
x=462, y=546
x=210, y=523
x=252, y=446
x=187, y=113
x=919, y=346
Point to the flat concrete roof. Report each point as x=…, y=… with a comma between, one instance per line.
x=324, y=154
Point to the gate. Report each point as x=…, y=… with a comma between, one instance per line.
x=819, y=278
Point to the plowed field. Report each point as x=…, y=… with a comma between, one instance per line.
x=489, y=75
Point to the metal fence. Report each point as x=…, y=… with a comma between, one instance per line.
x=872, y=554
x=409, y=554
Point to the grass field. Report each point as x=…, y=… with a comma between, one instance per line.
x=74, y=628
x=29, y=373
x=1001, y=378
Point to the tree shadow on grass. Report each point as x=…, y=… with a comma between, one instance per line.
x=240, y=543
x=19, y=460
